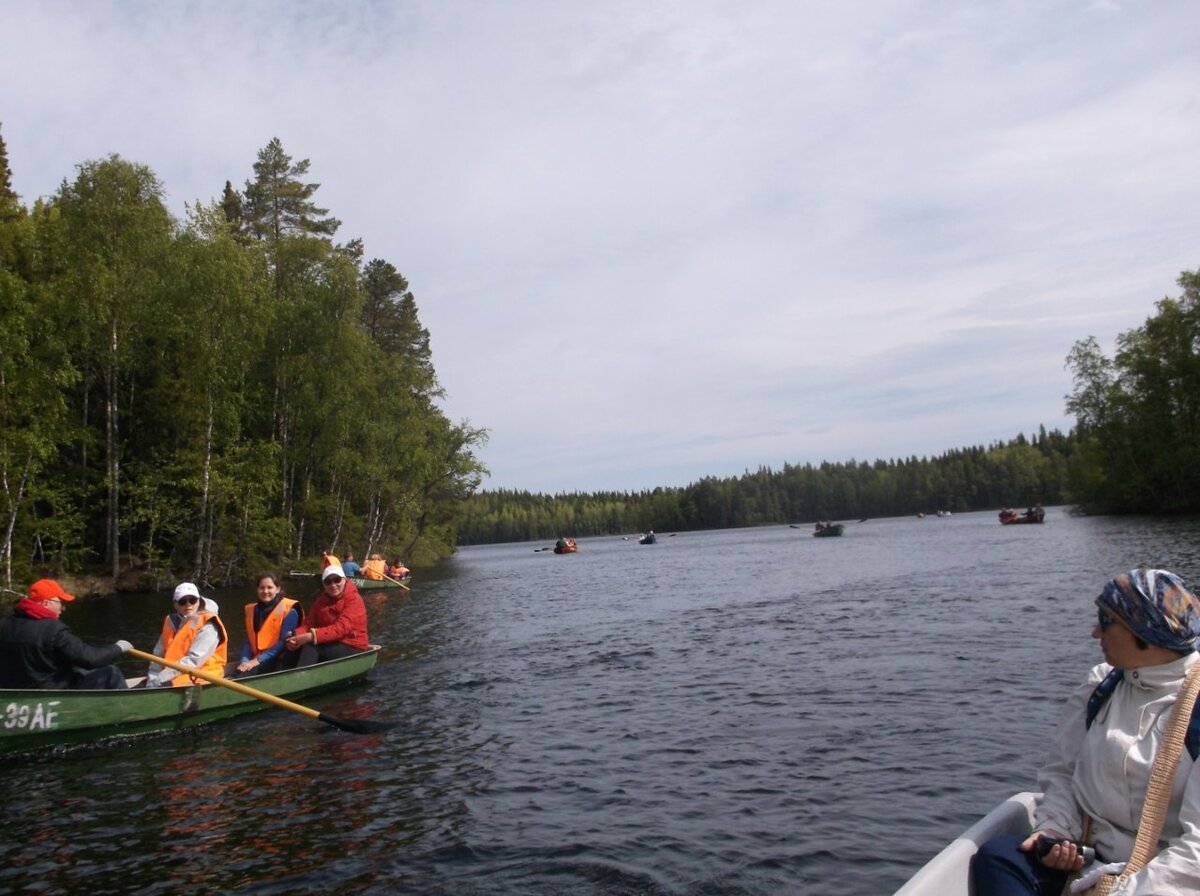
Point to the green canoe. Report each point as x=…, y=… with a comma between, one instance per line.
x=362, y=583
x=32, y=720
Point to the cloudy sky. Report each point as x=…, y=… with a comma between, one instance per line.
x=655, y=241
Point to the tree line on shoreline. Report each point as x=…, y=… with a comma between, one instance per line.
x=209, y=397
x=1022, y=471
x=1135, y=448
x=177, y=398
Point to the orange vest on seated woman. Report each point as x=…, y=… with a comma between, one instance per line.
x=176, y=643
x=268, y=635
x=373, y=568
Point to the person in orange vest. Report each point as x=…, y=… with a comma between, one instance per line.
x=398, y=570
x=268, y=621
x=326, y=559
x=374, y=567
x=193, y=635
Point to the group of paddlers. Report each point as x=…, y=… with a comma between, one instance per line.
x=374, y=567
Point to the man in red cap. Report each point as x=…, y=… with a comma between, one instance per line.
x=37, y=650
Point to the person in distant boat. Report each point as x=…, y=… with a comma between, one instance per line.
x=561, y=543
x=336, y=625
x=327, y=558
x=374, y=567
x=193, y=635
x=38, y=650
x=1095, y=782
x=398, y=569
x=268, y=620
x=349, y=568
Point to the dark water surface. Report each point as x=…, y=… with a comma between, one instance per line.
x=734, y=712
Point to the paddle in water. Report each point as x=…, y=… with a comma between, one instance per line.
x=354, y=726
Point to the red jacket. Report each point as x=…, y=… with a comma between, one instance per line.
x=343, y=620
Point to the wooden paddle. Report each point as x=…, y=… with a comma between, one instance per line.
x=354, y=726
x=396, y=582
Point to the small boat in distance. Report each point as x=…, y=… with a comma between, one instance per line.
x=648, y=538
x=828, y=530
x=1009, y=517
x=947, y=873
x=566, y=546
x=36, y=719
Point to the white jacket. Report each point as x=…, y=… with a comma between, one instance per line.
x=1104, y=770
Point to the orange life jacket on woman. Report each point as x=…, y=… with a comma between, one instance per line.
x=177, y=642
x=268, y=635
x=373, y=569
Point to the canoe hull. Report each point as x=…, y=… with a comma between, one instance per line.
x=829, y=531
x=365, y=584
x=947, y=873
x=33, y=720
x=362, y=583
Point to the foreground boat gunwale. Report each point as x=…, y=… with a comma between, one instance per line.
x=947, y=873
x=34, y=720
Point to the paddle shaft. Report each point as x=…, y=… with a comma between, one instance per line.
x=396, y=582
x=226, y=683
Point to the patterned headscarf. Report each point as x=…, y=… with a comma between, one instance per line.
x=1157, y=605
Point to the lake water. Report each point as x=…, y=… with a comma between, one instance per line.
x=749, y=711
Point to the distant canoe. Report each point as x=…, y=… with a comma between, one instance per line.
x=362, y=583
x=648, y=538
x=1012, y=518
x=39, y=718
x=568, y=547
x=833, y=530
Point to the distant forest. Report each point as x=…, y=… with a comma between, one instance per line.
x=211, y=397
x=1022, y=472
x=1135, y=449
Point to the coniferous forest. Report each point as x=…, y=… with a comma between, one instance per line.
x=190, y=398
x=212, y=396
x=1135, y=449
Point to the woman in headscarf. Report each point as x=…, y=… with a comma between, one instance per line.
x=1095, y=781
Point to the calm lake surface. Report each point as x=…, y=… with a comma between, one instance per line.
x=750, y=711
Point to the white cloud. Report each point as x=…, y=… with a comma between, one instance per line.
x=658, y=241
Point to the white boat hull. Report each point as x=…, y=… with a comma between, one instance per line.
x=947, y=873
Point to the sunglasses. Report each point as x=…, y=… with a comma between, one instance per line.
x=333, y=580
x=1106, y=618
x=188, y=600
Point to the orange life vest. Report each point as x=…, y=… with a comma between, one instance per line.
x=177, y=642
x=268, y=635
x=373, y=569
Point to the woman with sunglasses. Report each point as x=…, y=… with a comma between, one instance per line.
x=193, y=635
x=336, y=626
x=1096, y=780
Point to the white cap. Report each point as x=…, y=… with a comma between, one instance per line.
x=333, y=569
x=185, y=589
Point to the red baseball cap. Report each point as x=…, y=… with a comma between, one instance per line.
x=48, y=589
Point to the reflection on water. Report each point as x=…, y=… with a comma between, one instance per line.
x=738, y=712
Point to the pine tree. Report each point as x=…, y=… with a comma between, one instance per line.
x=278, y=203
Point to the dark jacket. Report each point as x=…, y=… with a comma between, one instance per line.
x=42, y=653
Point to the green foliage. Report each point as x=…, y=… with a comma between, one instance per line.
x=208, y=401
x=1138, y=414
x=1021, y=472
